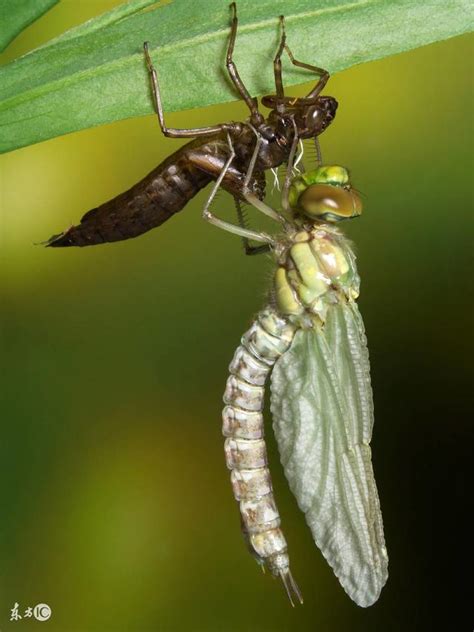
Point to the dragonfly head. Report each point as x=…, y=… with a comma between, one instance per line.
x=325, y=194
x=308, y=117
x=312, y=120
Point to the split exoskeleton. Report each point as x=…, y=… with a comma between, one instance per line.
x=234, y=154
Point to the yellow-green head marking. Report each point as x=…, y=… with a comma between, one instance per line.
x=325, y=194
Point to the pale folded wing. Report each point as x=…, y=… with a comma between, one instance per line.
x=321, y=402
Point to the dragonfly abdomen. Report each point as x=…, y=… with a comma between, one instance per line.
x=245, y=449
x=159, y=195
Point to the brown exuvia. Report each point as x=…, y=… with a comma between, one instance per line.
x=254, y=146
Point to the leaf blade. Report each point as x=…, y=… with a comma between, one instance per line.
x=14, y=17
x=96, y=74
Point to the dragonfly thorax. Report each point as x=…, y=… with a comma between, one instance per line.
x=316, y=269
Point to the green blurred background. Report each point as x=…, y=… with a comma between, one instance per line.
x=116, y=505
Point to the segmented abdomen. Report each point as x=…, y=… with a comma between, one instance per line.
x=162, y=193
x=149, y=203
x=269, y=336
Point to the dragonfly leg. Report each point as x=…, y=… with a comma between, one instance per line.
x=250, y=197
x=251, y=102
x=264, y=208
x=173, y=132
x=323, y=75
x=249, y=249
x=279, y=98
x=231, y=228
x=253, y=159
x=277, y=61
x=319, y=155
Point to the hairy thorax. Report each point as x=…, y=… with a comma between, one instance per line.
x=316, y=269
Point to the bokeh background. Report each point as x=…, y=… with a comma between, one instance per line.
x=116, y=505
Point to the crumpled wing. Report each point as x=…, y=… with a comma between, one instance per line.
x=321, y=401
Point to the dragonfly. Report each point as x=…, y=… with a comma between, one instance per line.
x=259, y=144
x=310, y=335
x=310, y=340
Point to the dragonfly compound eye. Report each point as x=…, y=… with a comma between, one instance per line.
x=330, y=203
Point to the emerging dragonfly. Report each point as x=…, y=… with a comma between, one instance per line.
x=312, y=334
x=259, y=144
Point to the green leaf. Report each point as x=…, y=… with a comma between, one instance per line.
x=96, y=73
x=15, y=15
